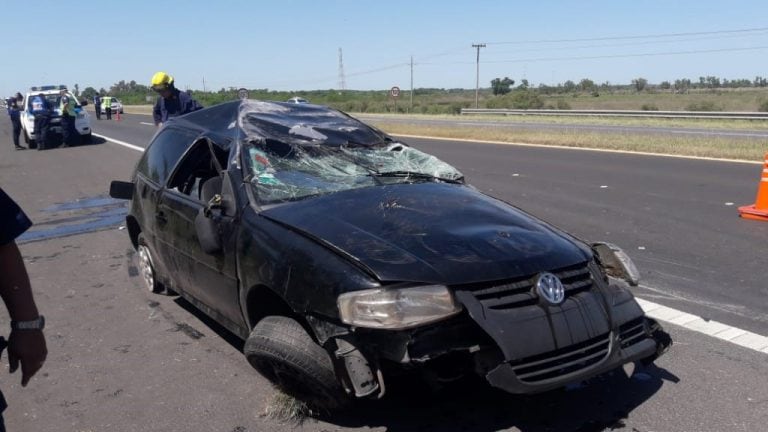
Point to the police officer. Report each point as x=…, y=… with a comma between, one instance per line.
x=172, y=102
x=68, y=117
x=14, y=111
x=41, y=109
x=107, y=102
x=97, y=106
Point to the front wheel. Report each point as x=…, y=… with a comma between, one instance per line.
x=147, y=267
x=284, y=353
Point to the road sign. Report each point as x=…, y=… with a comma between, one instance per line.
x=394, y=92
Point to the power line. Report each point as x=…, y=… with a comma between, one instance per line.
x=630, y=55
x=648, y=36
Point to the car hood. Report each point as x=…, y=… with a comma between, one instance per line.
x=431, y=233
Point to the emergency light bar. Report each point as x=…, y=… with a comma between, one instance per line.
x=48, y=87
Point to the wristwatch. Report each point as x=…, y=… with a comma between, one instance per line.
x=35, y=324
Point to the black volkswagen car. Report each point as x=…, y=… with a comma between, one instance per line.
x=342, y=256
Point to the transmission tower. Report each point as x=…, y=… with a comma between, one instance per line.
x=342, y=80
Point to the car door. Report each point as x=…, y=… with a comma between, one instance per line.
x=152, y=174
x=211, y=279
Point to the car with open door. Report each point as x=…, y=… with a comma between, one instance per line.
x=342, y=255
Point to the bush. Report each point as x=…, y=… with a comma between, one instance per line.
x=563, y=105
x=518, y=99
x=649, y=107
x=763, y=107
x=703, y=106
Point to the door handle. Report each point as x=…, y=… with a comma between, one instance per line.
x=161, y=219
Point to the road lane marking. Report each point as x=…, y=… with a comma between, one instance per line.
x=626, y=152
x=122, y=143
x=670, y=315
x=711, y=328
x=148, y=124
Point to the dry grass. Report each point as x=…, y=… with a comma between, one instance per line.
x=287, y=409
x=729, y=148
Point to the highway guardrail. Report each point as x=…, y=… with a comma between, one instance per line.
x=734, y=115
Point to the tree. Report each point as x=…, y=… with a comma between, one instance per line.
x=665, y=85
x=501, y=86
x=639, y=84
x=89, y=93
x=77, y=90
x=523, y=85
x=586, y=85
x=569, y=86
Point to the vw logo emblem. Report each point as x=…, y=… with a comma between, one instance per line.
x=549, y=287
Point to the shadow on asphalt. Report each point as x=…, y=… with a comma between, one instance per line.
x=602, y=403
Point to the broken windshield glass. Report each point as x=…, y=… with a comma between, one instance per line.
x=282, y=172
x=299, y=150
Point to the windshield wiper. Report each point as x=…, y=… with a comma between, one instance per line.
x=415, y=175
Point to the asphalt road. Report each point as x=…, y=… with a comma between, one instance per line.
x=122, y=359
x=576, y=127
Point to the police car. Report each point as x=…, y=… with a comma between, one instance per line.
x=53, y=94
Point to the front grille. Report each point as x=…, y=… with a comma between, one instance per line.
x=510, y=294
x=562, y=361
x=632, y=332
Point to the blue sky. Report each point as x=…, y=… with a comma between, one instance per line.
x=293, y=45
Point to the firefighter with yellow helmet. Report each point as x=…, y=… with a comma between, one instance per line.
x=172, y=102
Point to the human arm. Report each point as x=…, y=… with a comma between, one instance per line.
x=156, y=114
x=25, y=347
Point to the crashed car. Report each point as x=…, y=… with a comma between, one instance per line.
x=343, y=256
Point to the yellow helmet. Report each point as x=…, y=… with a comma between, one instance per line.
x=161, y=80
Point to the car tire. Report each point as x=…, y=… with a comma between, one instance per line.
x=147, y=266
x=281, y=350
x=88, y=139
x=29, y=141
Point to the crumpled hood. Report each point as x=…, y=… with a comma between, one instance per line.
x=431, y=233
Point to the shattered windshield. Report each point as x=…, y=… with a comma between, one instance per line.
x=283, y=172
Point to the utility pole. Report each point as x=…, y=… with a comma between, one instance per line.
x=203, y=84
x=477, y=79
x=411, y=109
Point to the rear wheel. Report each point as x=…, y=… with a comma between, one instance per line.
x=284, y=353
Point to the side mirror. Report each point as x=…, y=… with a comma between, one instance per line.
x=83, y=102
x=617, y=263
x=207, y=227
x=121, y=190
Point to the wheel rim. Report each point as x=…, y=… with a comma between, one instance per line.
x=145, y=265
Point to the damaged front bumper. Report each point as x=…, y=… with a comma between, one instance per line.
x=640, y=340
x=518, y=345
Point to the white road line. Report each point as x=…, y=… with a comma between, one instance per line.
x=691, y=322
x=122, y=143
x=715, y=329
x=148, y=124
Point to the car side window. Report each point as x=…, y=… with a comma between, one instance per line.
x=196, y=167
x=163, y=154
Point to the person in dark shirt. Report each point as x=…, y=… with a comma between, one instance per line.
x=41, y=109
x=172, y=102
x=14, y=111
x=26, y=344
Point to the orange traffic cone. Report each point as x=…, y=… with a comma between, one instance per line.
x=759, y=210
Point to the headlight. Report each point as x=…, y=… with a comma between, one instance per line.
x=617, y=263
x=397, y=308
